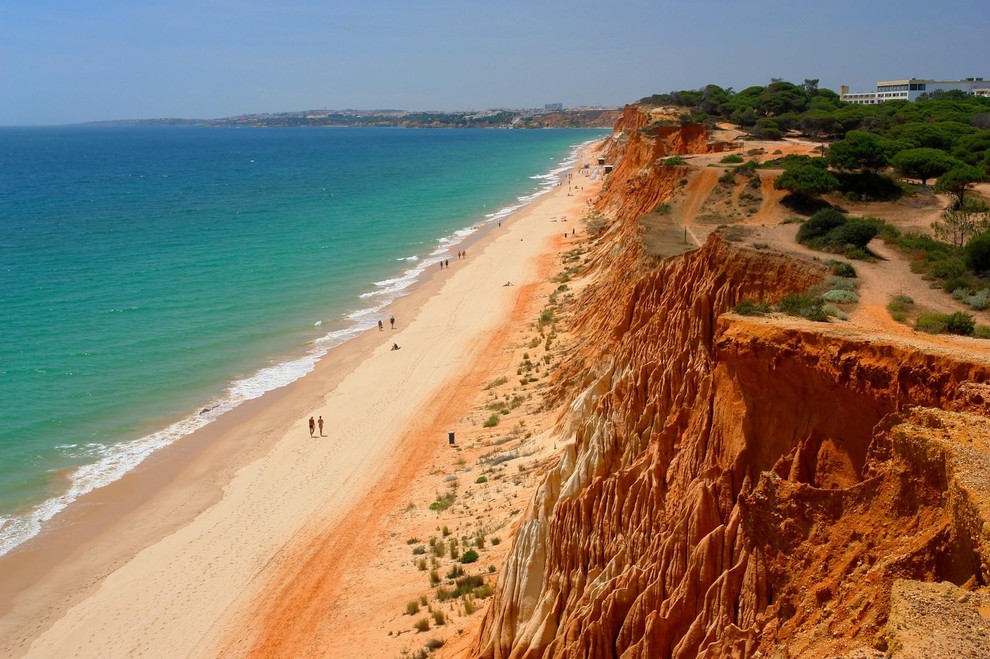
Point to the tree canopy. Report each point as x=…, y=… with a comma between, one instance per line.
x=923, y=163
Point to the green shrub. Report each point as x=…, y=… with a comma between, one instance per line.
x=899, y=306
x=804, y=305
x=930, y=323
x=841, y=284
x=481, y=479
x=470, y=556
x=841, y=269
x=750, y=308
x=978, y=300
x=840, y=297
x=674, y=160
x=727, y=178
x=492, y=421
x=732, y=158
x=663, y=209
x=833, y=311
x=820, y=224
x=960, y=323
x=855, y=232
x=977, y=253
x=982, y=332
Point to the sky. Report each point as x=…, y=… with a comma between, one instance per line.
x=66, y=61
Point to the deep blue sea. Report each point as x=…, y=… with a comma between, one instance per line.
x=147, y=273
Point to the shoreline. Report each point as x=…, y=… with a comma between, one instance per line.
x=373, y=300
x=172, y=489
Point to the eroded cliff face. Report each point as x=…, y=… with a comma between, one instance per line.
x=737, y=485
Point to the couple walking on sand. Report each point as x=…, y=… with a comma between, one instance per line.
x=312, y=426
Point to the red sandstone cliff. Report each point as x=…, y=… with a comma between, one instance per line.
x=736, y=486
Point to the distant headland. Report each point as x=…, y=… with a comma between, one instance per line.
x=582, y=117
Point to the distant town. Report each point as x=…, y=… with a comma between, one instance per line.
x=552, y=115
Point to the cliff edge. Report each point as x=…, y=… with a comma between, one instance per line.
x=738, y=486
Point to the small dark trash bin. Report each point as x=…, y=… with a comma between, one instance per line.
x=450, y=438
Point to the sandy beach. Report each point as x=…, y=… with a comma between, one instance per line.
x=239, y=540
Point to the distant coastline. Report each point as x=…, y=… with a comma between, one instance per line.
x=590, y=117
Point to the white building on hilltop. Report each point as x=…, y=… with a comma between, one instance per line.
x=912, y=88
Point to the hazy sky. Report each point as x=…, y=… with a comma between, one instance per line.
x=65, y=61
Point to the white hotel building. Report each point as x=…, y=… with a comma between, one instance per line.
x=911, y=89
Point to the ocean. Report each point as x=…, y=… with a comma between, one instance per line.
x=153, y=278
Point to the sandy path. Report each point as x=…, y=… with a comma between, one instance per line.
x=265, y=537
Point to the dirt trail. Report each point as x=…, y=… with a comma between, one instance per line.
x=878, y=282
x=696, y=192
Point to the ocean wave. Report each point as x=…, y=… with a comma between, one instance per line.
x=114, y=461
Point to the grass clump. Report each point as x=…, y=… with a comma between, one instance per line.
x=443, y=502
x=829, y=230
x=804, y=305
x=750, y=308
x=732, y=158
x=434, y=578
x=899, y=307
x=841, y=268
x=497, y=382
x=492, y=421
x=960, y=323
x=412, y=608
x=422, y=625
x=439, y=619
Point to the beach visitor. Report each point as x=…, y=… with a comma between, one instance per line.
x=392, y=321
x=381, y=326
x=312, y=426
x=446, y=263
x=320, y=423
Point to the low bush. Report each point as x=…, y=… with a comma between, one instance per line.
x=804, y=305
x=492, y=421
x=820, y=224
x=732, y=158
x=977, y=253
x=841, y=268
x=837, y=296
x=899, y=306
x=978, y=300
x=930, y=323
x=422, y=625
x=841, y=284
x=674, y=160
x=412, y=608
x=470, y=556
x=750, y=308
x=959, y=322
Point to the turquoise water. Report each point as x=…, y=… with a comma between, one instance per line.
x=148, y=274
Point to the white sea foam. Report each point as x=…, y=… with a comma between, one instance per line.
x=113, y=461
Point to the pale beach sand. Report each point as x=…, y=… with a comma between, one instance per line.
x=185, y=556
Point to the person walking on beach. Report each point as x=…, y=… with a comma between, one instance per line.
x=320, y=423
x=381, y=326
x=312, y=426
x=391, y=319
